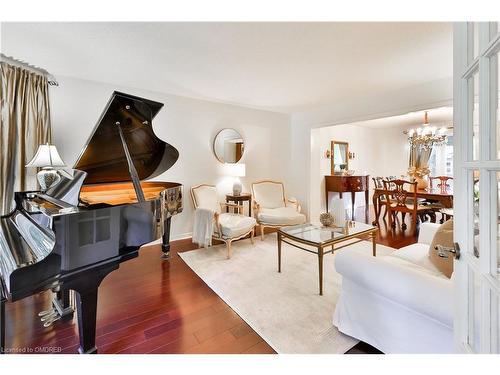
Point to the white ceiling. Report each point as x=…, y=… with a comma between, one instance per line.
x=442, y=116
x=285, y=67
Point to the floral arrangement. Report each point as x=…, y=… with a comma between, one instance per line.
x=418, y=171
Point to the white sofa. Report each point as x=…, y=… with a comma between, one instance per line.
x=398, y=301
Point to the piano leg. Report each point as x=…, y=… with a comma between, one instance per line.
x=2, y=326
x=87, y=318
x=86, y=286
x=165, y=246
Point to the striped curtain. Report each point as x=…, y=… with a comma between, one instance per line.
x=25, y=124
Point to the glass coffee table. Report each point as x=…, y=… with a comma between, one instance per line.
x=322, y=240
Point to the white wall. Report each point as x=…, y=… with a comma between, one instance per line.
x=189, y=125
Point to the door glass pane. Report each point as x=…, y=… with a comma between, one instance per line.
x=474, y=120
x=493, y=29
x=474, y=310
x=495, y=322
x=474, y=29
x=475, y=211
x=498, y=325
x=497, y=215
x=496, y=98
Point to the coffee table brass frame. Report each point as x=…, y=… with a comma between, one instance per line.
x=320, y=252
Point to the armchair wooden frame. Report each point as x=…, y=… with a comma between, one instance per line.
x=256, y=207
x=217, y=235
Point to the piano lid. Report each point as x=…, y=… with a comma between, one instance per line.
x=103, y=157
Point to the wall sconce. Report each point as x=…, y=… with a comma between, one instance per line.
x=350, y=155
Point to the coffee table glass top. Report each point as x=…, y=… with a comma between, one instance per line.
x=319, y=234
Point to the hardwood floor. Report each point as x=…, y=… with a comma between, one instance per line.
x=155, y=306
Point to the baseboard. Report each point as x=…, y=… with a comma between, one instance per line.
x=181, y=236
x=188, y=236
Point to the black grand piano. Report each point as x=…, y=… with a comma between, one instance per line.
x=74, y=234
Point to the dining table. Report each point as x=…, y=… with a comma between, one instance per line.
x=442, y=195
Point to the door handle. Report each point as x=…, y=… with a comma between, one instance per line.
x=443, y=251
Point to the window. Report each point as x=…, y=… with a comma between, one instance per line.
x=441, y=161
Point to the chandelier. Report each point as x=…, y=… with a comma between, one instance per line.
x=426, y=136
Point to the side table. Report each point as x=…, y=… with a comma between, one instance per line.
x=239, y=200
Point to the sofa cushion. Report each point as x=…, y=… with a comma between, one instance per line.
x=234, y=225
x=417, y=254
x=426, y=232
x=443, y=237
x=281, y=216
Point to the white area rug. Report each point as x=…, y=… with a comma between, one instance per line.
x=284, y=308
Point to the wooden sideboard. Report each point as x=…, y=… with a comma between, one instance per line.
x=345, y=184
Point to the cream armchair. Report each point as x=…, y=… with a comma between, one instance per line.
x=228, y=227
x=272, y=209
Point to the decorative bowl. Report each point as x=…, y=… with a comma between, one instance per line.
x=326, y=219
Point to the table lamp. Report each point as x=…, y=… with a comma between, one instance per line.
x=237, y=171
x=47, y=158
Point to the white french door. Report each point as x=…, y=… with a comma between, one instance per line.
x=476, y=186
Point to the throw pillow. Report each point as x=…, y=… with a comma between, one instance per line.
x=443, y=237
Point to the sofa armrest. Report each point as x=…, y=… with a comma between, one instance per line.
x=399, y=281
x=427, y=232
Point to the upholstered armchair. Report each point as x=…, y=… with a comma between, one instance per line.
x=271, y=207
x=228, y=227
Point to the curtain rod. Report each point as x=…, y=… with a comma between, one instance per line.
x=21, y=64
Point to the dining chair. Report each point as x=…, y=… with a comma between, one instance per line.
x=443, y=181
x=228, y=227
x=390, y=178
x=443, y=184
x=403, y=195
x=378, y=183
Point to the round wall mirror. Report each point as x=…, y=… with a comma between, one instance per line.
x=228, y=146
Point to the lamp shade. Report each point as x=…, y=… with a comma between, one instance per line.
x=236, y=169
x=46, y=156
